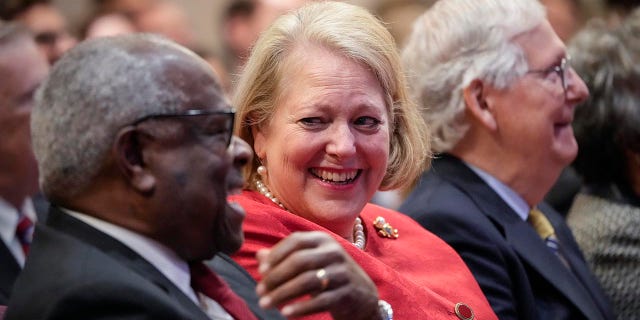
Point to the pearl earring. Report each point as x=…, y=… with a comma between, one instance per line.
x=262, y=171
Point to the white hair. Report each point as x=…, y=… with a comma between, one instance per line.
x=97, y=88
x=457, y=41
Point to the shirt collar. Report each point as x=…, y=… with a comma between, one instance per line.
x=513, y=199
x=9, y=218
x=161, y=257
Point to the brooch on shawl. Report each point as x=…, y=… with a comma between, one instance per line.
x=384, y=229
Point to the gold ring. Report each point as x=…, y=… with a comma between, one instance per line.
x=322, y=275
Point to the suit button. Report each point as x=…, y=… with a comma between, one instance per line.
x=464, y=312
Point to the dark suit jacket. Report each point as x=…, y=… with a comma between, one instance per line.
x=9, y=268
x=9, y=271
x=517, y=272
x=242, y=284
x=78, y=272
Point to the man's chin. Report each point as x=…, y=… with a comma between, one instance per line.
x=231, y=244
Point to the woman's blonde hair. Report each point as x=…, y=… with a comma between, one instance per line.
x=350, y=31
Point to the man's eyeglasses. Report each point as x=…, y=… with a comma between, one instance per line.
x=557, y=72
x=216, y=125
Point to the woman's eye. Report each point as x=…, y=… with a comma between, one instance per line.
x=368, y=122
x=311, y=121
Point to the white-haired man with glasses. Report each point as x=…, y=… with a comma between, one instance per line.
x=499, y=95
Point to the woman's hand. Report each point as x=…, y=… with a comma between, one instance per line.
x=314, y=264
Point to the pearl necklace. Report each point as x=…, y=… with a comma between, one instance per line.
x=358, y=230
x=265, y=192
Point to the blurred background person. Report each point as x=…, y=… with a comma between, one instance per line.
x=568, y=16
x=168, y=19
x=499, y=93
x=130, y=8
x=399, y=16
x=617, y=10
x=22, y=69
x=109, y=24
x=243, y=21
x=322, y=101
x=47, y=24
x=605, y=216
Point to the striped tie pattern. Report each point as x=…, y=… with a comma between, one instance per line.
x=543, y=227
x=24, y=233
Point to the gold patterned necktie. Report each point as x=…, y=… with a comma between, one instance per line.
x=543, y=227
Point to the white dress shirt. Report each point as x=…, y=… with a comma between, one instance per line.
x=9, y=218
x=513, y=199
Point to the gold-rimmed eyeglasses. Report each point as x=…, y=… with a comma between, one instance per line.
x=557, y=72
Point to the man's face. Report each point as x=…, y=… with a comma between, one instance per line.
x=195, y=170
x=49, y=29
x=534, y=114
x=22, y=69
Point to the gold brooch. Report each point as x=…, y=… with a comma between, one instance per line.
x=385, y=229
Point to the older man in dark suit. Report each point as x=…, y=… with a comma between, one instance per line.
x=22, y=69
x=134, y=143
x=499, y=94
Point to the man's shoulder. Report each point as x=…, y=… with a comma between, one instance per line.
x=435, y=194
x=76, y=276
x=454, y=209
x=61, y=261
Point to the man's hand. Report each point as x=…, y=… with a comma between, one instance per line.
x=314, y=264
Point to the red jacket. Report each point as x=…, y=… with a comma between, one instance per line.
x=417, y=273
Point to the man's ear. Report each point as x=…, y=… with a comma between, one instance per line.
x=477, y=105
x=128, y=151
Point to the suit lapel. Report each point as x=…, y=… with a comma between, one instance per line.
x=580, y=269
x=534, y=252
x=524, y=240
x=76, y=228
x=242, y=284
x=41, y=206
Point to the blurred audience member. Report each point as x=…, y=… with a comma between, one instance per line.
x=244, y=20
x=167, y=19
x=399, y=16
x=565, y=16
x=617, y=10
x=130, y=8
x=22, y=68
x=499, y=94
x=605, y=216
x=110, y=24
x=46, y=23
x=153, y=16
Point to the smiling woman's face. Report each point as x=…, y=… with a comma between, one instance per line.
x=326, y=146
